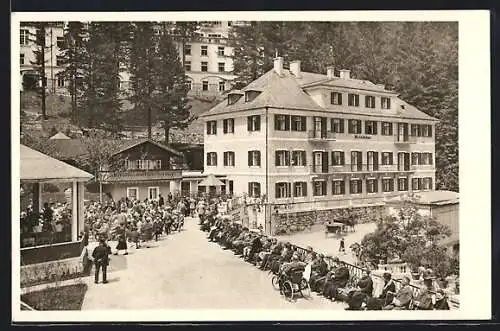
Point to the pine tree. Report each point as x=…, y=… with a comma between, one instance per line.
x=143, y=76
x=75, y=57
x=40, y=61
x=107, y=49
x=172, y=88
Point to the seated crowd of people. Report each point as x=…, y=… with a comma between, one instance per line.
x=331, y=280
x=54, y=219
x=139, y=222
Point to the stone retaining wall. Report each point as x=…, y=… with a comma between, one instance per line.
x=53, y=271
x=291, y=222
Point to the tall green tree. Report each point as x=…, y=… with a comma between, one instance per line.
x=144, y=77
x=107, y=48
x=172, y=88
x=75, y=58
x=158, y=80
x=40, y=42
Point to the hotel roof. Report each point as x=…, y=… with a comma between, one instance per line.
x=290, y=92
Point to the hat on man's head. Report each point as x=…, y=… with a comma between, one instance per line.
x=336, y=259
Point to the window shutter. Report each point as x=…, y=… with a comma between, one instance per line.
x=287, y=122
x=257, y=123
x=342, y=187
x=360, y=158
x=340, y=98
x=276, y=190
x=249, y=158
x=323, y=187
x=225, y=156
x=303, y=122
x=215, y=127
x=375, y=185
x=257, y=188
x=224, y=126
x=276, y=158
x=258, y=158
x=375, y=161
x=419, y=158
x=249, y=123
x=359, y=126
x=349, y=126
x=323, y=127
x=313, y=160
x=430, y=131
x=289, y=190
x=375, y=127
x=304, y=189
x=430, y=183
x=304, y=157
x=350, y=186
x=208, y=127
x=215, y=159
x=341, y=125
x=276, y=122
x=250, y=189
x=287, y=158
x=324, y=161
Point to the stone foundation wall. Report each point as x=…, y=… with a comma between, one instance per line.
x=291, y=222
x=53, y=271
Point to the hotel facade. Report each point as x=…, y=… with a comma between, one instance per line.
x=304, y=141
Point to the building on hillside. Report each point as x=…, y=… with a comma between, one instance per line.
x=310, y=141
x=54, y=39
x=443, y=206
x=208, y=59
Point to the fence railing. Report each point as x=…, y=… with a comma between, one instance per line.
x=358, y=271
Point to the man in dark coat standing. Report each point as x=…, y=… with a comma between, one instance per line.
x=101, y=260
x=161, y=201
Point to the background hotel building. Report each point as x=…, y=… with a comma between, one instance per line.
x=208, y=58
x=319, y=141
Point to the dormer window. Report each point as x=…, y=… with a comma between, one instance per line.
x=250, y=95
x=233, y=97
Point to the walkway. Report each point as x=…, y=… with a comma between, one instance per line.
x=185, y=271
x=330, y=244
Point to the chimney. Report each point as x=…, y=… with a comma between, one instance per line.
x=278, y=65
x=345, y=74
x=295, y=68
x=330, y=72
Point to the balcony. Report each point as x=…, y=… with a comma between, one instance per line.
x=404, y=140
x=139, y=175
x=317, y=135
x=360, y=168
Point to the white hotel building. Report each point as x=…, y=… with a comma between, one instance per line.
x=315, y=141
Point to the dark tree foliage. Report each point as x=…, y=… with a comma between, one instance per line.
x=75, y=59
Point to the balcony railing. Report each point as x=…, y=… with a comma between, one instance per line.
x=317, y=135
x=357, y=168
x=134, y=175
x=403, y=139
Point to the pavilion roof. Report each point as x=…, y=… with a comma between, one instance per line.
x=38, y=167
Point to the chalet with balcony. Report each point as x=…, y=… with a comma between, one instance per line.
x=138, y=168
